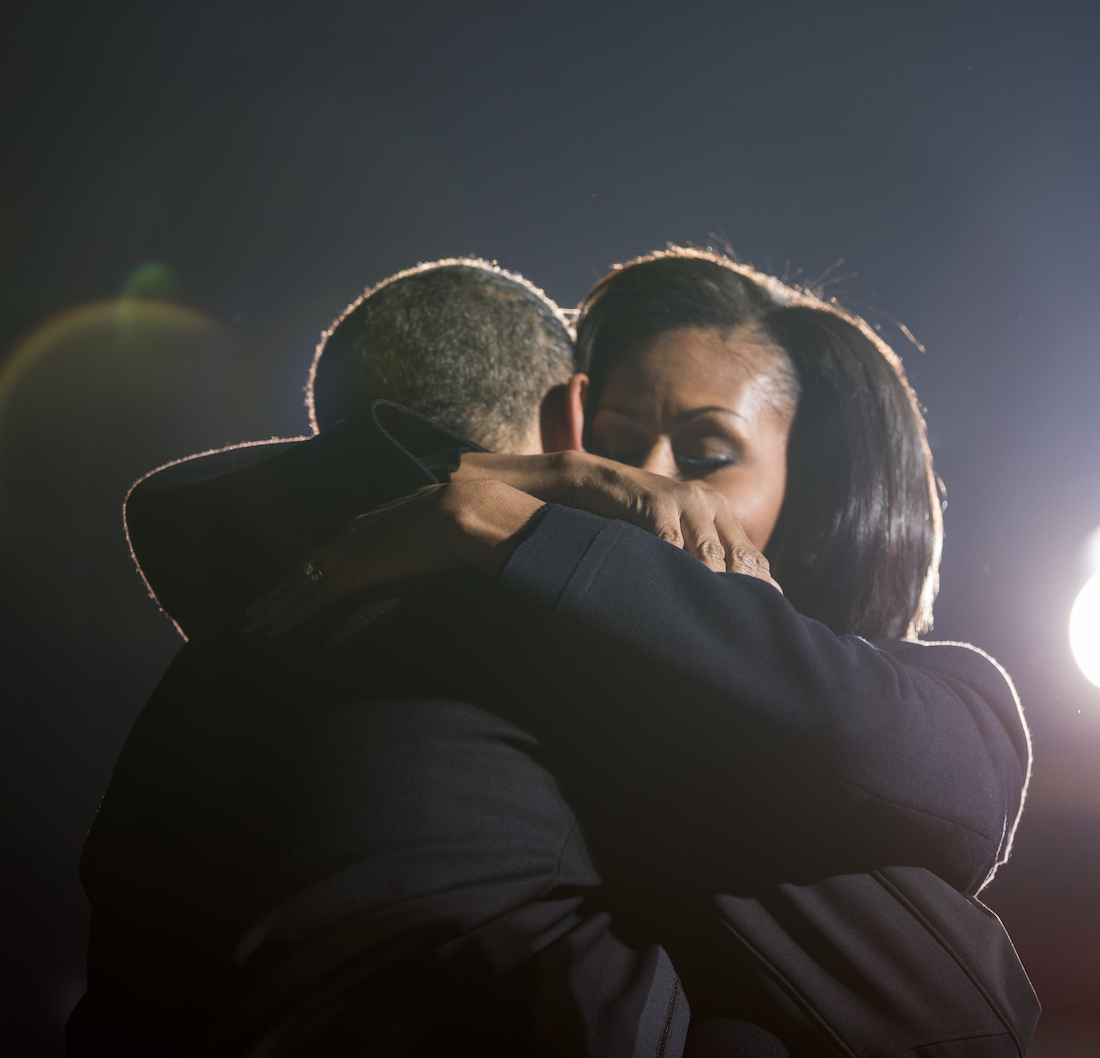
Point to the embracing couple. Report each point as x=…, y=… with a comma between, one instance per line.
x=562, y=696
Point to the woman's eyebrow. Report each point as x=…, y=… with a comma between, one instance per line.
x=695, y=413
x=684, y=416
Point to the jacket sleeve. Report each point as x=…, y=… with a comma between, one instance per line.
x=825, y=753
x=212, y=532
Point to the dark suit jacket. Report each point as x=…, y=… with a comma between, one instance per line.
x=712, y=740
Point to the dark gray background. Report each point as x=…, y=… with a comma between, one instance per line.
x=277, y=158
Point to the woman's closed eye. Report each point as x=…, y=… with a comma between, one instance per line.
x=689, y=466
x=700, y=466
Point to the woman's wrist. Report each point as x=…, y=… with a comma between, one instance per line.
x=553, y=476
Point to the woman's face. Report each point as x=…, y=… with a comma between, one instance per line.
x=708, y=406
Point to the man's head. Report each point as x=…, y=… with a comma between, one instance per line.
x=472, y=346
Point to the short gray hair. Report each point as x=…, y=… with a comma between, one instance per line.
x=460, y=340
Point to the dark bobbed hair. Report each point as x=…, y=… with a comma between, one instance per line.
x=460, y=340
x=858, y=540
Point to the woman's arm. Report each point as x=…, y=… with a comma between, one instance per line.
x=478, y=522
x=844, y=754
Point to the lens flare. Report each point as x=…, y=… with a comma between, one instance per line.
x=115, y=320
x=98, y=369
x=1084, y=629
x=89, y=401
x=152, y=280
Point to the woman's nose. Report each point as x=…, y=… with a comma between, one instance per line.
x=660, y=458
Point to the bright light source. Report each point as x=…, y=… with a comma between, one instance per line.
x=1092, y=550
x=1084, y=629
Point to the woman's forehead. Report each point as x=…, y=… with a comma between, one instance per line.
x=699, y=365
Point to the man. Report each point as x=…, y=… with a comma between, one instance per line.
x=288, y=864
x=262, y=527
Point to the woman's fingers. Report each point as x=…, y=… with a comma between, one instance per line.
x=740, y=552
x=742, y=555
x=765, y=573
x=661, y=516
x=718, y=539
x=700, y=530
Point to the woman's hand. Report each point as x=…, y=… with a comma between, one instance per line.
x=472, y=524
x=683, y=513
x=475, y=522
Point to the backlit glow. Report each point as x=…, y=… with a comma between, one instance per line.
x=1084, y=629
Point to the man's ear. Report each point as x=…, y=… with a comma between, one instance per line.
x=561, y=416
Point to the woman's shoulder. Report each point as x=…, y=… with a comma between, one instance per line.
x=959, y=661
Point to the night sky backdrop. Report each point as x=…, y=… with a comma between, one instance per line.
x=190, y=192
